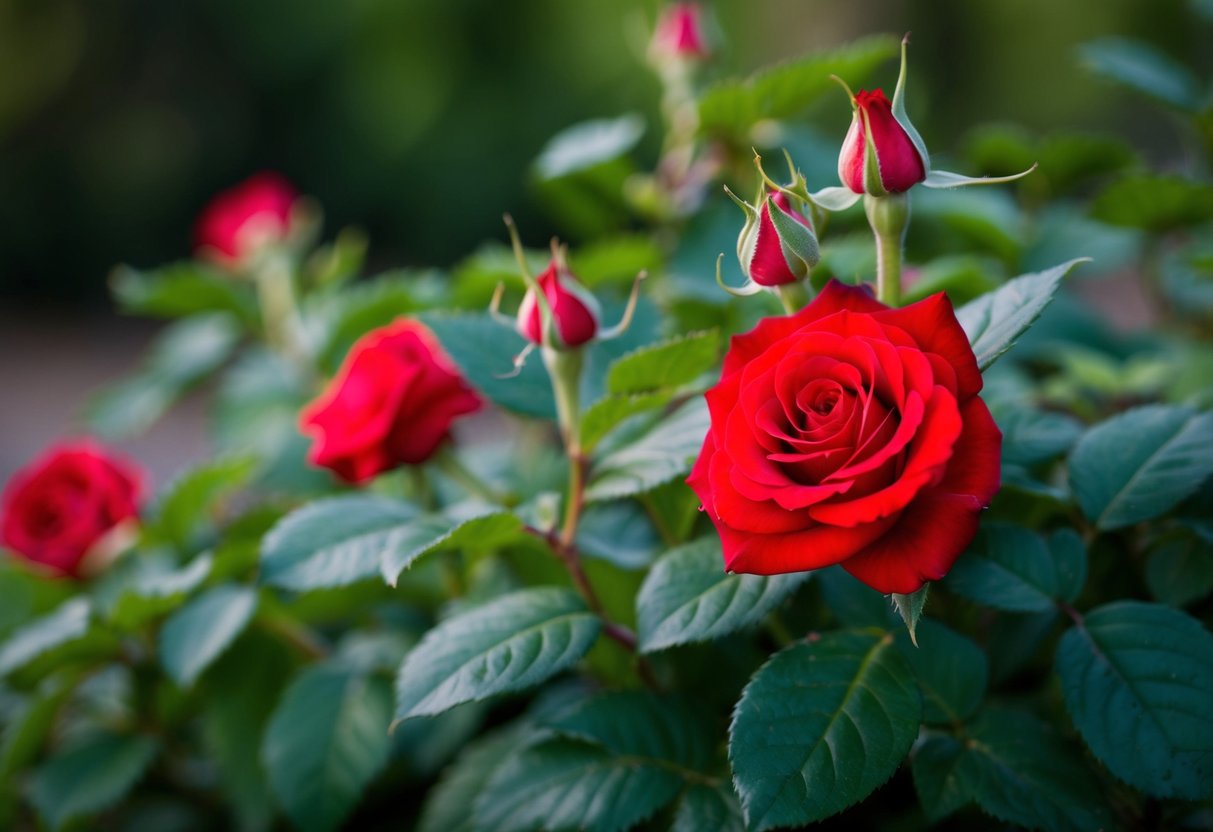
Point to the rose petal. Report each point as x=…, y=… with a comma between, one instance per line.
x=932, y=324
x=799, y=551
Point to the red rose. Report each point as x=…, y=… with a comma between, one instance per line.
x=391, y=403
x=64, y=506
x=849, y=433
x=238, y=221
x=679, y=32
x=899, y=164
x=573, y=308
x=770, y=260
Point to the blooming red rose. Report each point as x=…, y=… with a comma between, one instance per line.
x=679, y=32
x=391, y=403
x=64, y=507
x=899, y=164
x=238, y=221
x=573, y=308
x=849, y=433
x=767, y=258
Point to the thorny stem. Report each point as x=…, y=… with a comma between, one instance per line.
x=295, y=633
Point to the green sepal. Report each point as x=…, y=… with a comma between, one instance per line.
x=834, y=198
x=910, y=607
x=798, y=243
x=899, y=111
x=873, y=185
x=947, y=179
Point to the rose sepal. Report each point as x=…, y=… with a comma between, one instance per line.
x=900, y=115
x=941, y=179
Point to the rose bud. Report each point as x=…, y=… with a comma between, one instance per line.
x=772, y=250
x=878, y=155
x=391, y=403
x=71, y=510
x=240, y=221
x=573, y=309
x=680, y=33
x=849, y=433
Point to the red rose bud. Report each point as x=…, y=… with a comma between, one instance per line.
x=680, y=33
x=878, y=155
x=391, y=403
x=241, y=220
x=777, y=247
x=68, y=509
x=574, y=310
x=849, y=433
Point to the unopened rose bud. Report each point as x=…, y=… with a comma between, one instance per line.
x=574, y=310
x=238, y=222
x=879, y=156
x=777, y=248
x=680, y=33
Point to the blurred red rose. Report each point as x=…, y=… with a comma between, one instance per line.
x=63, y=509
x=391, y=403
x=849, y=433
x=679, y=32
x=238, y=221
x=899, y=164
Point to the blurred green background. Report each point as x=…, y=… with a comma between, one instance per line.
x=417, y=120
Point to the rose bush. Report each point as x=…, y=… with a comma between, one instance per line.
x=391, y=403
x=59, y=508
x=849, y=433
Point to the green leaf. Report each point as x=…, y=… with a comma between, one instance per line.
x=332, y=542
x=200, y=631
x=90, y=777
x=570, y=785
x=688, y=597
x=182, y=354
x=509, y=644
x=157, y=591
x=660, y=455
x=67, y=624
x=1011, y=568
x=733, y=107
x=820, y=726
x=618, y=532
x=182, y=508
x=667, y=364
x=643, y=725
x=1141, y=463
x=432, y=532
x=1180, y=570
x=1136, y=679
x=587, y=144
x=484, y=350
x=995, y=320
x=605, y=414
x=1016, y=769
x=853, y=603
x=326, y=741
x=705, y=808
x=347, y=314
x=1069, y=562
x=1143, y=68
x=182, y=289
x=1154, y=203
x=238, y=695
x=450, y=805
x=1032, y=436
x=952, y=672
x=25, y=732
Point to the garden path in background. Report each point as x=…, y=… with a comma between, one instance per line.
x=49, y=366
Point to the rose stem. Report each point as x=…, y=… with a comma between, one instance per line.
x=889, y=217
x=279, y=310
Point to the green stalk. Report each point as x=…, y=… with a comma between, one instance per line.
x=889, y=217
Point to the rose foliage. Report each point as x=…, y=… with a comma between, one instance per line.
x=900, y=532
